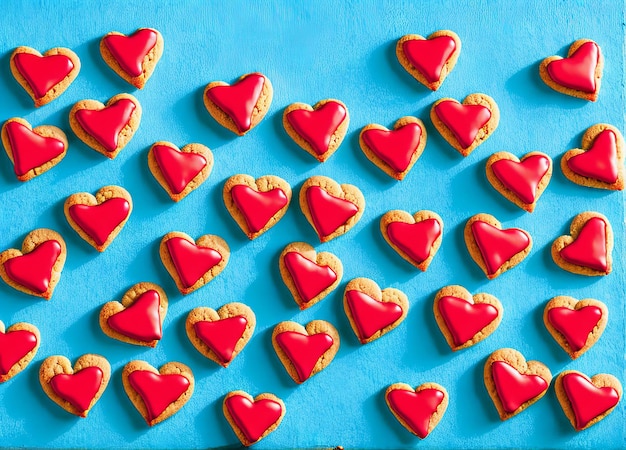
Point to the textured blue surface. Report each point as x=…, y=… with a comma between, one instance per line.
x=312, y=51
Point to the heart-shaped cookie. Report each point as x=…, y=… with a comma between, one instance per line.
x=419, y=410
x=575, y=325
x=465, y=320
x=179, y=171
x=513, y=383
x=36, y=269
x=494, y=249
x=106, y=128
x=309, y=276
x=429, y=60
x=75, y=389
x=44, y=77
x=588, y=248
x=579, y=74
x=600, y=161
x=465, y=125
x=252, y=419
x=133, y=57
x=521, y=181
x=18, y=345
x=32, y=151
x=320, y=129
x=98, y=220
x=372, y=312
x=394, y=151
x=331, y=209
x=240, y=106
x=138, y=318
x=256, y=205
x=587, y=401
x=415, y=237
x=193, y=264
x=220, y=335
x=305, y=351
x=157, y=394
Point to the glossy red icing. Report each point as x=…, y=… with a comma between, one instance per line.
x=105, y=125
x=600, y=161
x=178, y=168
x=78, y=388
x=429, y=56
x=221, y=336
x=33, y=270
x=43, y=72
x=310, y=278
x=498, y=246
x=239, y=99
x=99, y=221
x=578, y=71
x=587, y=400
x=30, y=150
x=464, y=121
x=317, y=127
x=253, y=418
x=191, y=261
x=465, y=319
x=416, y=408
x=304, y=351
x=157, y=391
x=141, y=320
x=394, y=147
x=328, y=212
x=258, y=207
x=415, y=239
x=575, y=324
x=129, y=51
x=522, y=178
x=371, y=315
x=589, y=248
x=14, y=345
x=514, y=389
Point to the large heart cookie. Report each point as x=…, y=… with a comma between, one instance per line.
x=18, y=345
x=252, y=419
x=419, y=410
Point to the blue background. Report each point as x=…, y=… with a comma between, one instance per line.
x=312, y=51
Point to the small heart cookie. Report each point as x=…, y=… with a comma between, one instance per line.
x=179, y=171
x=600, y=161
x=429, y=60
x=579, y=74
x=106, y=128
x=465, y=125
x=372, y=312
x=394, y=151
x=494, y=249
x=575, y=325
x=32, y=151
x=98, y=220
x=241, y=106
x=331, y=209
x=320, y=129
x=36, y=269
x=415, y=237
x=138, y=318
x=44, y=77
x=465, y=320
x=252, y=419
x=76, y=389
x=309, y=276
x=256, y=205
x=513, y=383
x=586, y=401
x=520, y=181
x=193, y=264
x=220, y=335
x=133, y=57
x=418, y=410
x=305, y=351
x=588, y=248
x=157, y=394
x=18, y=345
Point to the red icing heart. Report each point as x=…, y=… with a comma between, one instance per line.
x=258, y=207
x=157, y=391
x=416, y=408
x=371, y=315
x=105, y=124
x=589, y=248
x=514, y=388
x=429, y=56
x=190, y=260
x=14, y=345
x=328, y=212
x=178, y=168
x=318, y=126
x=99, y=221
x=395, y=147
x=415, y=239
x=33, y=270
x=465, y=319
x=577, y=71
x=239, y=99
x=464, y=121
x=78, y=388
x=498, y=246
x=304, y=351
x=222, y=335
x=253, y=418
x=575, y=324
x=30, y=150
x=129, y=51
x=310, y=278
x=600, y=161
x=141, y=320
x=587, y=400
x=522, y=178
x=43, y=73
